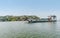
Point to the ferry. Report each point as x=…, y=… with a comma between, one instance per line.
x=49, y=19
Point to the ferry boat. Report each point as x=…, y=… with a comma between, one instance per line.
x=49, y=19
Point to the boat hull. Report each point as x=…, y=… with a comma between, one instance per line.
x=40, y=21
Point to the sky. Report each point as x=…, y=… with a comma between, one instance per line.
x=30, y=7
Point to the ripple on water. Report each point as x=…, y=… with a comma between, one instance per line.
x=25, y=30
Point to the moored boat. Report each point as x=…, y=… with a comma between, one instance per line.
x=49, y=19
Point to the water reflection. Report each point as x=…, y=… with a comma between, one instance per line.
x=25, y=30
x=47, y=30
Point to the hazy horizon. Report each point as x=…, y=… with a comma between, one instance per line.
x=40, y=8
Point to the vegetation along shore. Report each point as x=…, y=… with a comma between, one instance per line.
x=18, y=18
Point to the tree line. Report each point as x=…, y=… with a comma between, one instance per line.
x=18, y=18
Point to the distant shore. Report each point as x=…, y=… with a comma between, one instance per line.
x=18, y=18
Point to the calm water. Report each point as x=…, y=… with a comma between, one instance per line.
x=29, y=30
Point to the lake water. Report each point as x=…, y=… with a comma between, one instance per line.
x=29, y=30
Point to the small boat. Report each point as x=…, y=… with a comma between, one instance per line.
x=49, y=19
